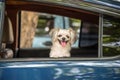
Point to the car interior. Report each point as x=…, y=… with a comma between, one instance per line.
x=88, y=39
x=7, y=38
x=87, y=45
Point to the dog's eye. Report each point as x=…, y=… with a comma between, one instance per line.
x=67, y=36
x=59, y=35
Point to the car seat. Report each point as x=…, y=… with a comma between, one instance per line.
x=7, y=38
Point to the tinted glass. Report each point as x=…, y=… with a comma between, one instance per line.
x=111, y=36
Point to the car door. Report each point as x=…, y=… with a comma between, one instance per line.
x=96, y=56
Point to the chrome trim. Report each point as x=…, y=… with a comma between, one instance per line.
x=60, y=59
x=100, y=39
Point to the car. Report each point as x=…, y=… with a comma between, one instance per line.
x=25, y=42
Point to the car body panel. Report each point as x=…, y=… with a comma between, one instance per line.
x=60, y=70
x=63, y=68
x=99, y=6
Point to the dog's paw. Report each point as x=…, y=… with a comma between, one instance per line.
x=59, y=56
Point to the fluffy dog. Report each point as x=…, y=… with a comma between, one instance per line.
x=62, y=39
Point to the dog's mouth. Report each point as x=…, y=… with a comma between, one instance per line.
x=63, y=43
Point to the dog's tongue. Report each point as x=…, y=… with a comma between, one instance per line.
x=63, y=44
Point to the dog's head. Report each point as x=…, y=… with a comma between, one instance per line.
x=63, y=36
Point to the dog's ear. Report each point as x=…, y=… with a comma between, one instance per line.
x=73, y=35
x=53, y=31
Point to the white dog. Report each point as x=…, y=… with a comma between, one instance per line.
x=62, y=39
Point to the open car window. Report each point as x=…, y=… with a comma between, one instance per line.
x=35, y=28
x=41, y=25
x=32, y=24
x=87, y=32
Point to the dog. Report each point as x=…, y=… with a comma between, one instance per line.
x=62, y=40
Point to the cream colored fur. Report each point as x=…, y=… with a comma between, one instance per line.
x=62, y=39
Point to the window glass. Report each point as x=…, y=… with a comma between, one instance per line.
x=35, y=28
x=1, y=17
x=111, y=36
x=89, y=35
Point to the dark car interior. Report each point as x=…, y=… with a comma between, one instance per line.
x=88, y=41
x=7, y=38
x=94, y=36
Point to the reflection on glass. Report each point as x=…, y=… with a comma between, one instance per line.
x=1, y=18
x=111, y=36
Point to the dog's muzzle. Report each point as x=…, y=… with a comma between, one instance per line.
x=63, y=42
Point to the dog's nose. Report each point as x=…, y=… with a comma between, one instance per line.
x=63, y=39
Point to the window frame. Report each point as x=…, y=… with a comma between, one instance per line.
x=18, y=7
x=2, y=20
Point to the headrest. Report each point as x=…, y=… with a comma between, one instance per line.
x=7, y=36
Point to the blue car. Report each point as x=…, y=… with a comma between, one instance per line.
x=25, y=42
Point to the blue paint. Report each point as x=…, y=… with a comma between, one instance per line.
x=60, y=70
